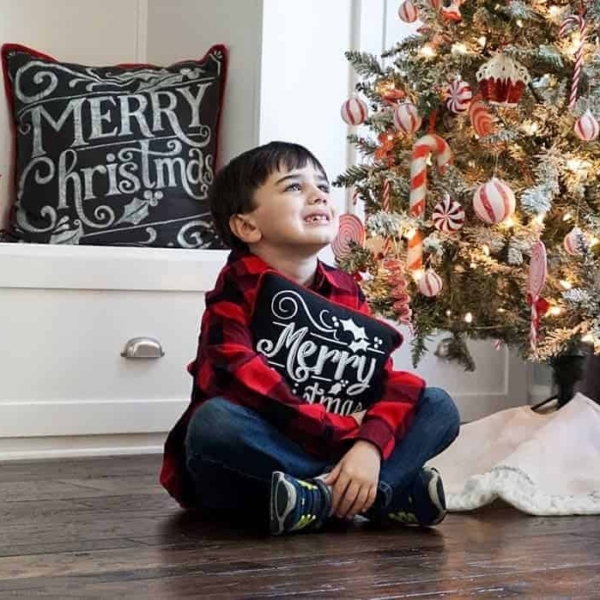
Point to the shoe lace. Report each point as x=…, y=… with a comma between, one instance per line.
x=311, y=505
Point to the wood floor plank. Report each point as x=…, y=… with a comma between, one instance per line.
x=103, y=528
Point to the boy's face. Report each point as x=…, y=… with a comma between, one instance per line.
x=293, y=212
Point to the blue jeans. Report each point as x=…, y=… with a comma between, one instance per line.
x=232, y=451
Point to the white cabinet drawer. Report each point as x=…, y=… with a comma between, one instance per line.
x=61, y=367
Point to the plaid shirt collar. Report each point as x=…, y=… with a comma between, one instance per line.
x=253, y=264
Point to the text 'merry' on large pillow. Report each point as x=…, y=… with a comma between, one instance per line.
x=120, y=155
x=327, y=353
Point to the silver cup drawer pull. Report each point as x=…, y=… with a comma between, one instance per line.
x=143, y=347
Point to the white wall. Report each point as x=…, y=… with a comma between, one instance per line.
x=83, y=31
x=305, y=78
x=187, y=28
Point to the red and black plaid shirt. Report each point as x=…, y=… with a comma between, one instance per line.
x=227, y=365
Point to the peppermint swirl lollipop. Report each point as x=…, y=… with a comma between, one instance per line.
x=351, y=230
x=448, y=216
x=459, y=96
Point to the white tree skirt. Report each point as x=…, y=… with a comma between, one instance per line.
x=541, y=464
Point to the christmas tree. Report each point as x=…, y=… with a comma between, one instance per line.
x=479, y=173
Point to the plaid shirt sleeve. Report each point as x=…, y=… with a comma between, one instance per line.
x=228, y=366
x=387, y=420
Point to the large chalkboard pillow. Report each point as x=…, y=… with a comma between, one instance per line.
x=120, y=155
x=327, y=353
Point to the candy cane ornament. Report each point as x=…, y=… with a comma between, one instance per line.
x=570, y=22
x=428, y=144
x=414, y=252
x=538, y=271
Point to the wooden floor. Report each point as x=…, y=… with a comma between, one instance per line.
x=103, y=528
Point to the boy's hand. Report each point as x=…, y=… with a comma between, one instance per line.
x=358, y=416
x=354, y=480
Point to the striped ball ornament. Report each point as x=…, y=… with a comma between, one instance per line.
x=494, y=201
x=430, y=284
x=575, y=242
x=354, y=111
x=586, y=127
x=407, y=118
x=448, y=216
x=408, y=12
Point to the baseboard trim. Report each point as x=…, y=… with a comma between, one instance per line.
x=122, y=417
x=46, y=419
x=80, y=446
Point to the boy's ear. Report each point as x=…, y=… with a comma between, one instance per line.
x=244, y=228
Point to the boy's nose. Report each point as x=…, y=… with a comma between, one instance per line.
x=319, y=197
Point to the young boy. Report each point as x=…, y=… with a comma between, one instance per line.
x=247, y=448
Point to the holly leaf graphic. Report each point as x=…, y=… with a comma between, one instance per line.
x=135, y=212
x=63, y=235
x=359, y=333
x=359, y=345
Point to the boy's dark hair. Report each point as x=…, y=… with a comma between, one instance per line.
x=232, y=191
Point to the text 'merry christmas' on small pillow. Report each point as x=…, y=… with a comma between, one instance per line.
x=120, y=155
x=327, y=353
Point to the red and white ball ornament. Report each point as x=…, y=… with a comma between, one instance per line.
x=351, y=229
x=575, y=242
x=448, y=216
x=494, y=201
x=586, y=127
x=407, y=118
x=354, y=111
x=430, y=284
x=458, y=96
x=408, y=12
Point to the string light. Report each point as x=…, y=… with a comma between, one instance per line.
x=428, y=51
x=482, y=41
x=519, y=23
x=486, y=249
x=555, y=311
x=469, y=317
x=459, y=48
x=410, y=234
x=554, y=11
x=448, y=313
x=501, y=310
x=531, y=128
x=574, y=164
x=417, y=274
x=539, y=219
x=567, y=285
x=567, y=217
x=593, y=241
x=588, y=339
x=510, y=222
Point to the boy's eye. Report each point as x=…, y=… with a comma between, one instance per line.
x=292, y=187
x=324, y=188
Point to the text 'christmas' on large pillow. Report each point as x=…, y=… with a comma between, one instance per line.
x=120, y=155
x=327, y=353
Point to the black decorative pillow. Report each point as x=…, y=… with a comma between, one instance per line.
x=327, y=353
x=120, y=155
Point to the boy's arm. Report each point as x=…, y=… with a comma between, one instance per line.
x=229, y=366
x=388, y=419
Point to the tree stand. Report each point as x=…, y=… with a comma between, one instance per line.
x=567, y=371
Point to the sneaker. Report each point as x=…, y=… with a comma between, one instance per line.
x=425, y=503
x=297, y=504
